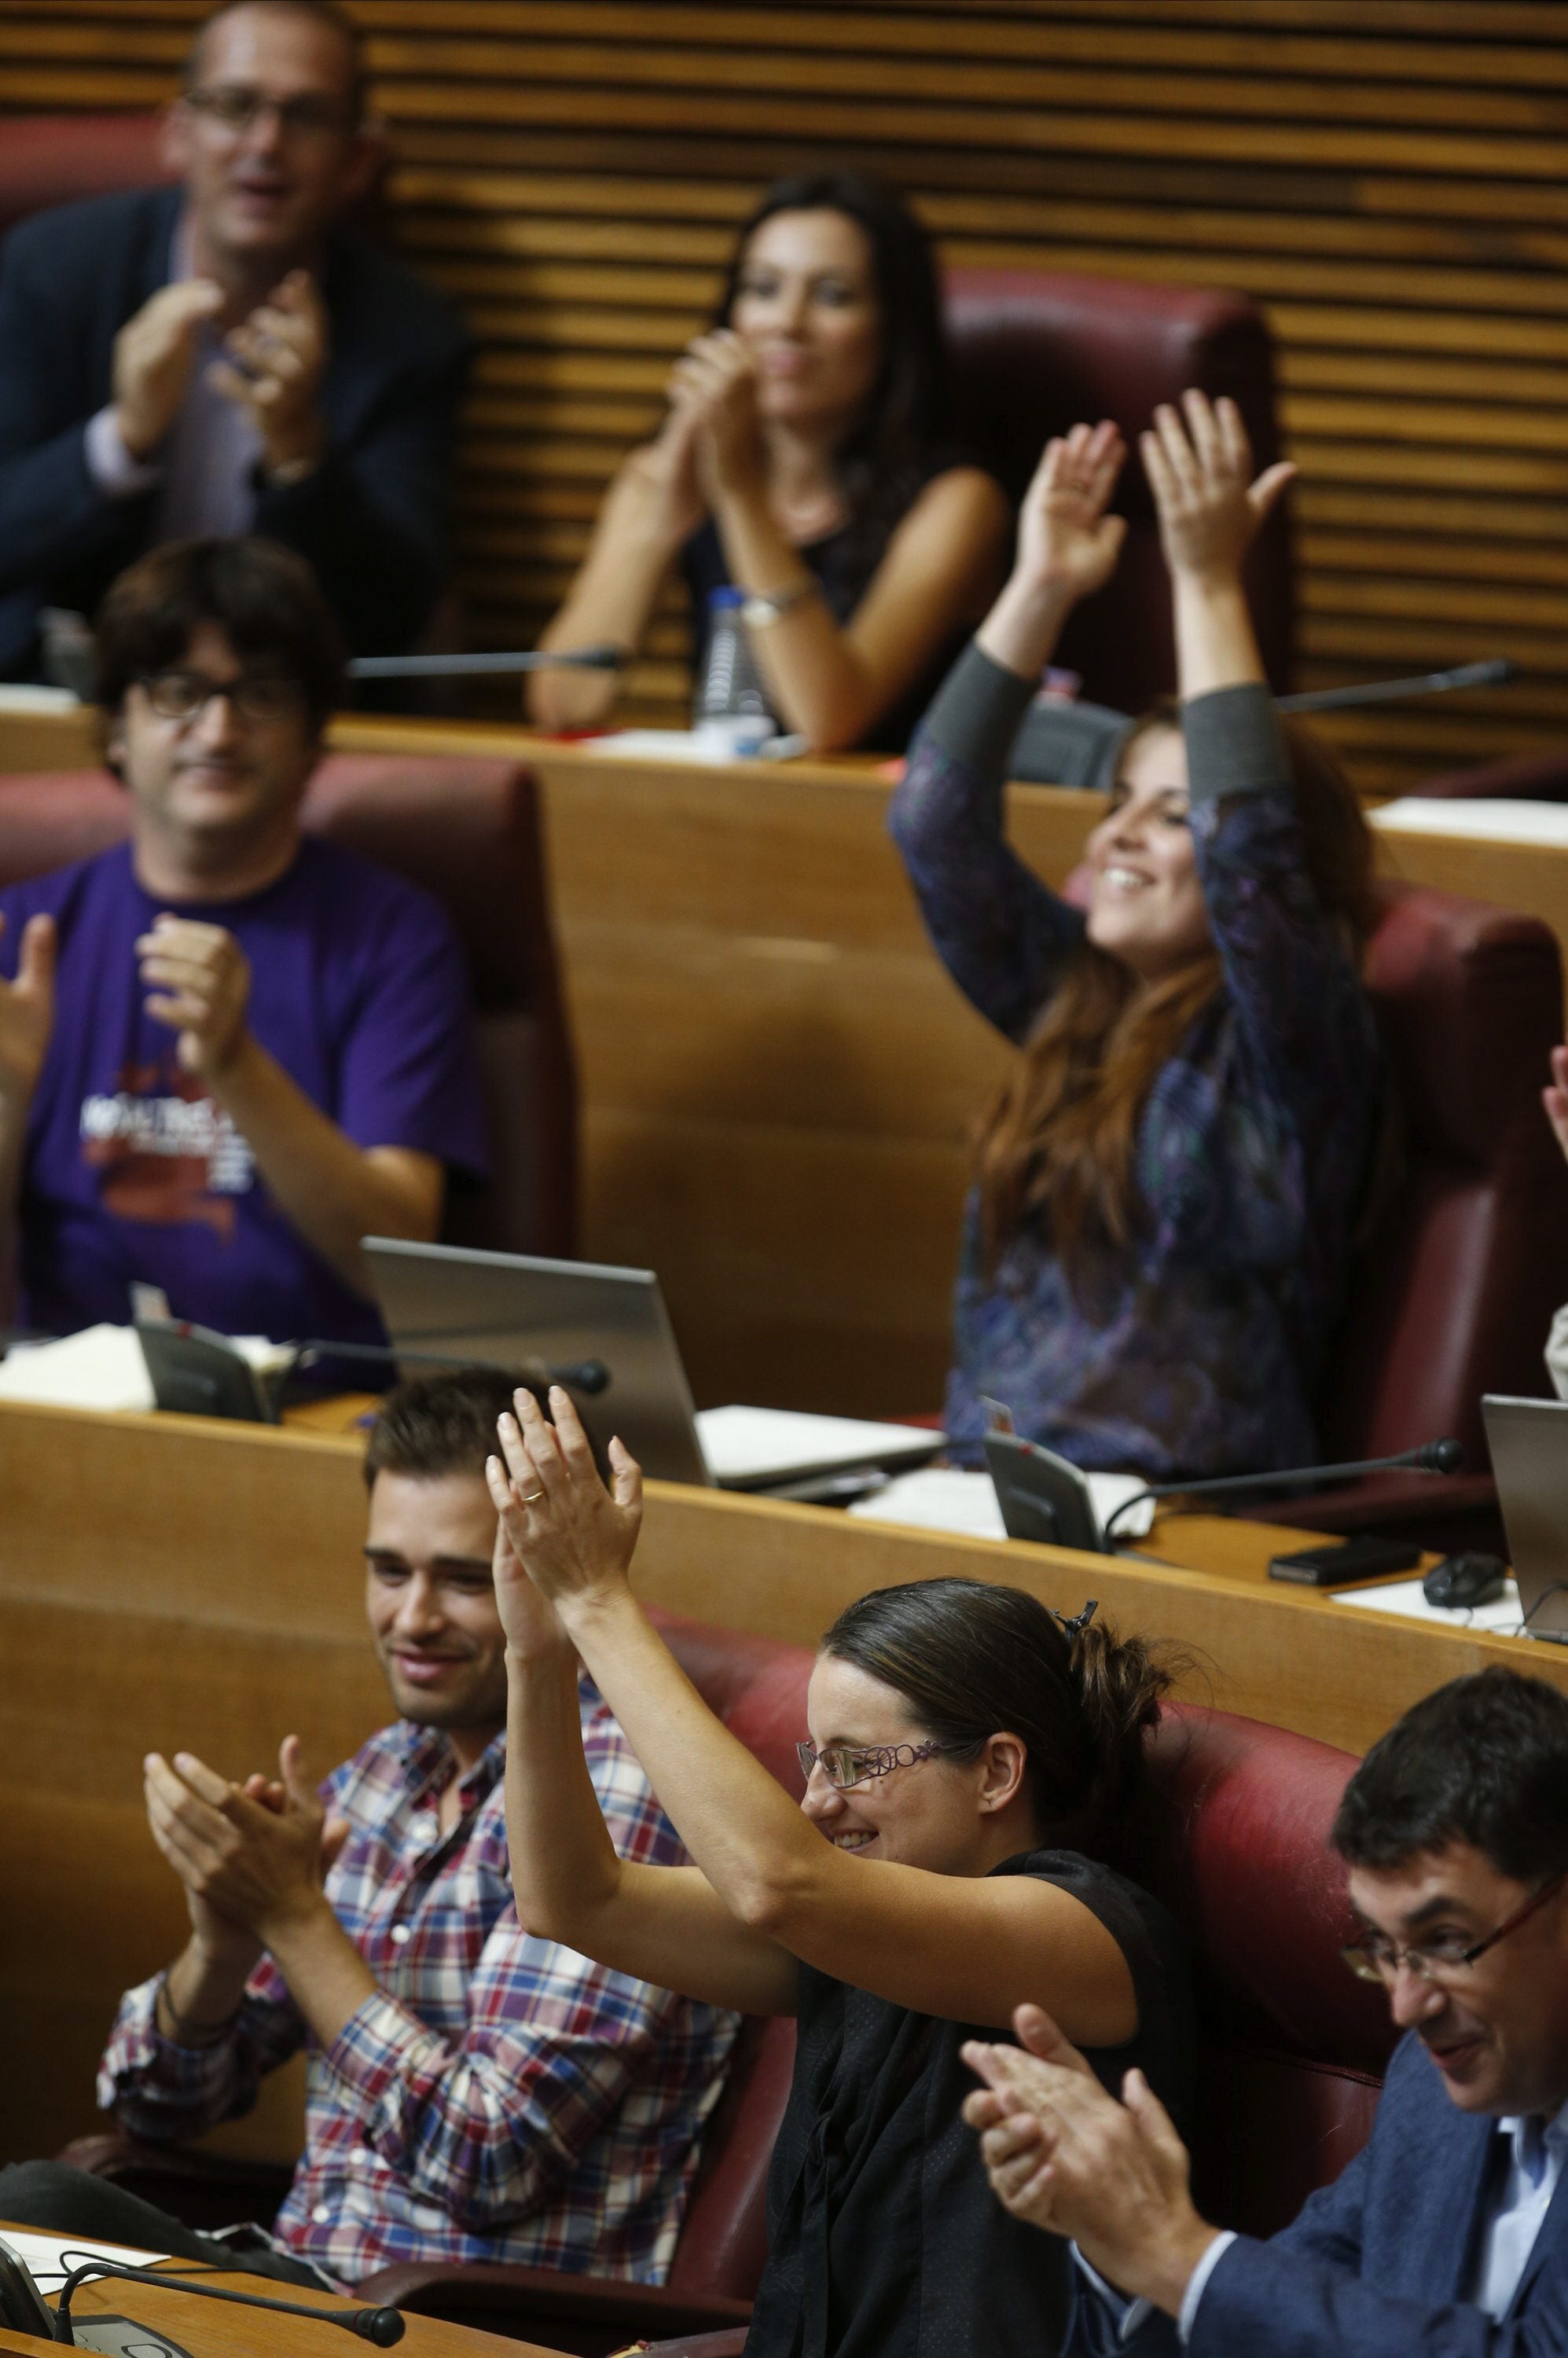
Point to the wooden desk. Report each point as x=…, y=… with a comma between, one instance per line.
x=779, y=1082
x=214, y=2328
x=170, y=1582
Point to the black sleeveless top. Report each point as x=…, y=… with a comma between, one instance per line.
x=885, y=2240
x=843, y=577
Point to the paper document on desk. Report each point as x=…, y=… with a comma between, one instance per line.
x=1405, y=1598
x=746, y=1446
x=103, y=1366
x=42, y=2256
x=949, y=1499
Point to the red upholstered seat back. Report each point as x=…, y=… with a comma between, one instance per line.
x=1470, y=1259
x=1036, y=351
x=1234, y=1839
x=469, y=832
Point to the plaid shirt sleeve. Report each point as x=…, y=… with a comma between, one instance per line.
x=490, y=2126
x=166, y=2092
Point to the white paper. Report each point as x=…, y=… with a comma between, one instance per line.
x=755, y=1444
x=104, y=1368
x=1404, y=1596
x=17, y=695
x=41, y=2254
x=1500, y=819
x=950, y=1498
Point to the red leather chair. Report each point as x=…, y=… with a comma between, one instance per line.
x=1036, y=351
x=1454, y=1289
x=52, y=159
x=469, y=832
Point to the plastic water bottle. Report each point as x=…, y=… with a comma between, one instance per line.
x=732, y=715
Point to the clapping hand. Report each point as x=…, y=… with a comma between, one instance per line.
x=715, y=384
x=199, y=981
x=1063, y=2154
x=154, y=352
x=1067, y=543
x=26, y=1012
x=248, y=1855
x=1200, y=472
x=571, y=1536
x=277, y=357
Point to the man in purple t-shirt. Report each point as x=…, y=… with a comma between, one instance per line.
x=227, y=1052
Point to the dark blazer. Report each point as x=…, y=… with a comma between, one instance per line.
x=370, y=518
x=1379, y=2264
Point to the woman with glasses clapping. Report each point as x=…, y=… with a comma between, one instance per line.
x=964, y=1742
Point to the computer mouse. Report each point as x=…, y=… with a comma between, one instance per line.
x=1462, y=1580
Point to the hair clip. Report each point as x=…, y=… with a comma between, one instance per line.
x=1079, y=1621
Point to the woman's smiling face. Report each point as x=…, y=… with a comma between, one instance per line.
x=933, y=1813
x=1146, y=907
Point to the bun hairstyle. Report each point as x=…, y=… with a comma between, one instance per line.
x=970, y=1659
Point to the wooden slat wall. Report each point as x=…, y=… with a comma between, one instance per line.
x=1389, y=178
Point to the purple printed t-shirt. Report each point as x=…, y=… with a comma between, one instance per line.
x=359, y=989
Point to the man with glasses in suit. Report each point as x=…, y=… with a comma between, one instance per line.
x=223, y=357
x=1448, y=2235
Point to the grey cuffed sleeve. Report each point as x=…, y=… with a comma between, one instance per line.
x=1235, y=744
x=989, y=719
x=977, y=712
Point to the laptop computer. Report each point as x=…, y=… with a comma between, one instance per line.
x=605, y=1333
x=1529, y=1444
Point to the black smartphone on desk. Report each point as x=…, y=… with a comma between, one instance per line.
x=1340, y=1564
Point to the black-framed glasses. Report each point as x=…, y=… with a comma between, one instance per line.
x=236, y=107
x=253, y=695
x=844, y=1765
x=1378, y=1960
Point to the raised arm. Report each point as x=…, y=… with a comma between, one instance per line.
x=1288, y=965
x=967, y=1948
x=664, y=1924
x=1002, y=934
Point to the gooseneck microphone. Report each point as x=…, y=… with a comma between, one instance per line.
x=1432, y=1457
x=1495, y=673
x=486, y=667
x=381, y=2326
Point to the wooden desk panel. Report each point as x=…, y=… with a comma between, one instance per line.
x=168, y=1582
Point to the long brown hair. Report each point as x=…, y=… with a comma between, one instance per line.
x=1056, y=1147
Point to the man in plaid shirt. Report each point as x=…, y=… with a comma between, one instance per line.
x=473, y=2093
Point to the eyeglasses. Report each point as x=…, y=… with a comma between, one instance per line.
x=255, y=696
x=844, y=1765
x=1378, y=1960
x=234, y=107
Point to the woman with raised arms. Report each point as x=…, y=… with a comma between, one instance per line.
x=1166, y=1186
x=963, y=1742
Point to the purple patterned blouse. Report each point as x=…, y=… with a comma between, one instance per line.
x=1201, y=1347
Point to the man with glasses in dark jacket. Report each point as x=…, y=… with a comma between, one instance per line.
x=224, y=357
x=1448, y=2233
